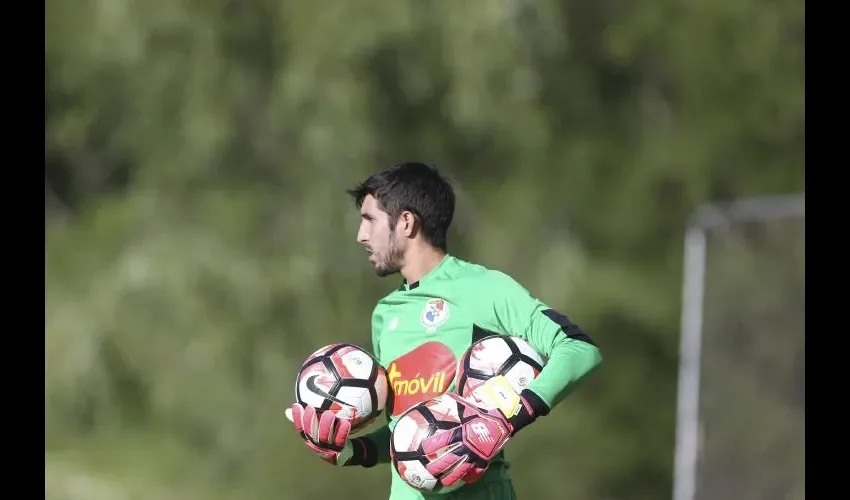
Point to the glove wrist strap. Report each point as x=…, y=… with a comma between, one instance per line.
x=363, y=452
x=531, y=408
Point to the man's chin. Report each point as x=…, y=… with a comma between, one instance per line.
x=383, y=272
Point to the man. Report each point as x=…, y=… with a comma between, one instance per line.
x=421, y=328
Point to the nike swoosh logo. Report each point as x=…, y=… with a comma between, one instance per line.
x=311, y=385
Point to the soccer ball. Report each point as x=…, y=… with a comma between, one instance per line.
x=431, y=418
x=346, y=380
x=511, y=357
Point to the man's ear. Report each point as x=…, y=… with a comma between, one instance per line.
x=408, y=224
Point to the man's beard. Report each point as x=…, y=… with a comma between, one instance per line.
x=391, y=263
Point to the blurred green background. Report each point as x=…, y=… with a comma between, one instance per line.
x=200, y=243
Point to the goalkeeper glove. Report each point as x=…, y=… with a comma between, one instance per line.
x=492, y=414
x=324, y=433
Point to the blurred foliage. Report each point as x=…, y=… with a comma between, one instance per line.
x=753, y=363
x=200, y=244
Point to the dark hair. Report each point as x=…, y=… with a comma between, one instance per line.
x=417, y=188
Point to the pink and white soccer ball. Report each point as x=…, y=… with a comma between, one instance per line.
x=440, y=415
x=509, y=356
x=344, y=379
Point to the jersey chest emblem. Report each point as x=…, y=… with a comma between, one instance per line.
x=420, y=375
x=435, y=313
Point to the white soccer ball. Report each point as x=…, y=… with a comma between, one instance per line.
x=346, y=380
x=436, y=416
x=511, y=357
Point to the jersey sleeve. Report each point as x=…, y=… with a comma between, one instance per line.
x=373, y=448
x=570, y=351
x=377, y=325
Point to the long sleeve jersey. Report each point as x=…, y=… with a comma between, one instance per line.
x=420, y=330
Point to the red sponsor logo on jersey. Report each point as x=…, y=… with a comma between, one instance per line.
x=420, y=375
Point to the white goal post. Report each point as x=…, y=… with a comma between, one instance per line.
x=706, y=218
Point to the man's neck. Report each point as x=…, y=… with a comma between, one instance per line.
x=420, y=262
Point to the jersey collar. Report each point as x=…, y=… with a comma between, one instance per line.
x=412, y=286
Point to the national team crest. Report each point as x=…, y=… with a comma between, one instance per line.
x=436, y=313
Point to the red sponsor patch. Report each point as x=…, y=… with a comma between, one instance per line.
x=420, y=375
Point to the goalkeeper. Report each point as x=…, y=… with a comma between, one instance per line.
x=425, y=324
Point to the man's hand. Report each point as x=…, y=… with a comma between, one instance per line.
x=325, y=433
x=492, y=414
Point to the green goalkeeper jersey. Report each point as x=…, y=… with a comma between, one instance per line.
x=420, y=330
